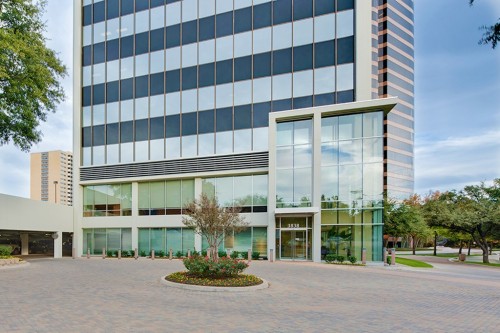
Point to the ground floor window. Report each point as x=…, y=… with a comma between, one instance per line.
x=251, y=238
x=350, y=240
x=180, y=240
x=110, y=239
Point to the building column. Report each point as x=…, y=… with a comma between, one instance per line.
x=24, y=244
x=316, y=239
x=135, y=238
x=57, y=244
x=197, y=242
x=271, y=197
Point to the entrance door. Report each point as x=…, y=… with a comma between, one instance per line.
x=293, y=244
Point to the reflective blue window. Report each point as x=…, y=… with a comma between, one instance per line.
x=224, y=71
x=189, y=123
x=345, y=50
x=345, y=4
x=141, y=5
x=302, y=9
x=141, y=130
x=126, y=131
x=282, y=61
x=157, y=83
x=324, y=7
x=189, y=78
x=99, y=53
x=113, y=50
x=86, y=96
x=224, y=26
x=87, y=56
x=126, y=89
x=302, y=57
x=127, y=47
x=112, y=134
x=113, y=9
x=261, y=114
x=112, y=91
x=142, y=43
x=243, y=20
x=302, y=102
x=87, y=15
x=156, y=128
x=324, y=54
x=324, y=99
x=262, y=65
x=141, y=86
x=157, y=39
x=127, y=7
x=206, y=121
x=173, y=35
x=87, y=136
x=224, y=119
x=243, y=68
x=282, y=11
x=98, y=135
x=189, y=32
x=282, y=105
x=98, y=94
x=262, y=15
x=207, y=28
x=242, y=117
x=172, y=126
x=207, y=75
x=99, y=12
x=345, y=96
x=173, y=81
x=157, y=3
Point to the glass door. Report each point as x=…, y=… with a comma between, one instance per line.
x=293, y=238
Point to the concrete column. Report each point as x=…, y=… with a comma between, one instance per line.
x=271, y=197
x=24, y=244
x=57, y=244
x=197, y=242
x=316, y=188
x=135, y=238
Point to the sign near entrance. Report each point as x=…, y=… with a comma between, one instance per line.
x=293, y=225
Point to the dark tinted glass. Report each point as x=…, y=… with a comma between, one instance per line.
x=345, y=96
x=324, y=54
x=345, y=50
x=127, y=7
x=156, y=128
x=98, y=135
x=243, y=20
x=113, y=7
x=283, y=104
x=99, y=53
x=157, y=83
x=141, y=86
x=224, y=71
x=126, y=89
x=112, y=49
x=142, y=43
x=207, y=28
x=189, y=78
x=172, y=126
x=87, y=55
x=156, y=3
x=224, y=26
x=87, y=15
x=189, y=32
x=189, y=123
x=87, y=136
x=173, y=82
x=262, y=65
x=324, y=99
x=261, y=114
x=224, y=119
x=112, y=91
x=98, y=94
x=99, y=12
x=206, y=76
x=243, y=68
x=242, y=117
x=141, y=130
x=262, y=15
x=282, y=61
x=206, y=121
x=302, y=102
x=112, y=133
x=302, y=9
x=127, y=47
x=345, y=4
x=324, y=7
x=157, y=39
x=127, y=131
x=86, y=96
x=282, y=11
x=302, y=57
x=141, y=5
x=173, y=35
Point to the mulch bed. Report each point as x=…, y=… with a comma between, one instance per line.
x=242, y=280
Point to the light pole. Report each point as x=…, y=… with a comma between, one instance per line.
x=55, y=190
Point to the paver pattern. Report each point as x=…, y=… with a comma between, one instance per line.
x=96, y=295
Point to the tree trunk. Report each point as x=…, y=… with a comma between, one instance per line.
x=435, y=242
x=470, y=245
x=491, y=249
x=460, y=248
x=483, y=244
x=414, y=244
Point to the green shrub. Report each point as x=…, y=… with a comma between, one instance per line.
x=204, y=253
x=109, y=253
x=5, y=251
x=124, y=253
x=235, y=254
x=352, y=259
x=115, y=253
x=222, y=254
x=204, y=267
x=255, y=255
x=195, y=254
x=143, y=253
x=161, y=253
x=340, y=259
x=178, y=254
x=329, y=258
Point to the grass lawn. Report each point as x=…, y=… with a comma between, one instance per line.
x=412, y=262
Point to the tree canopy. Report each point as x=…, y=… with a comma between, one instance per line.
x=29, y=73
x=491, y=33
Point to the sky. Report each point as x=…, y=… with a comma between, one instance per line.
x=457, y=98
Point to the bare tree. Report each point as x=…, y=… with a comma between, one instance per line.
x=212, y=221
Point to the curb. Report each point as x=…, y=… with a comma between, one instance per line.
x=263, y=285
x=14, y=266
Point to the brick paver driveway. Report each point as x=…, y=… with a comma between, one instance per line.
x=65, y=295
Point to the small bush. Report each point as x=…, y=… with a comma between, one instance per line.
x=109, y=253
x=255, y=255
x=161, y=253
x=204, y=267
x=5, y=251
x=352, y=259
x=340, y=259
x=204, y=253
x=222, y=254
x=195, y=253
x=329, y=258
x=235, y=254
x=143, y=253
x=124, y=253
x=178, y=254
x=115, y=253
